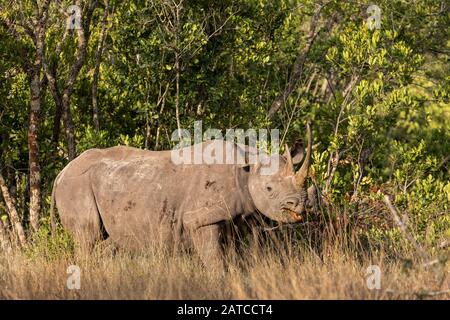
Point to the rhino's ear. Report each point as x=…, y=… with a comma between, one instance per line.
x=256, y=167
x=249, y=167
x=245, y=167
x=250, y=159
x=297, y=151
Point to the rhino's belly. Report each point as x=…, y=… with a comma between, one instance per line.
x=131, y=219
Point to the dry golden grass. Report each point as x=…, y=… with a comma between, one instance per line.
x=257, y=273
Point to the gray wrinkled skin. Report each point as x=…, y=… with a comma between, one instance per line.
x=138, y=198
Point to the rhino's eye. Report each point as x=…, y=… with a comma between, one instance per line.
x=269, y=188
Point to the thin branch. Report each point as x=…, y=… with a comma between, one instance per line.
x=5, y=243
x=404, y=229
x=298, y=64
x=98, y=56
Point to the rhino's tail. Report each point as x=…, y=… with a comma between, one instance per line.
x=52, y=207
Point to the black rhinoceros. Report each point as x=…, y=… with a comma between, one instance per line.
x=138, y=198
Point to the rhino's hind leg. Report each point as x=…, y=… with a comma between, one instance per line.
x=79, y=213
x=89, y=231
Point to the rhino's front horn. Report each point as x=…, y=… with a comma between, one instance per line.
x=302, y=173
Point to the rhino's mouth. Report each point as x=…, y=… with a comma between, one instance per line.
x=295, y=215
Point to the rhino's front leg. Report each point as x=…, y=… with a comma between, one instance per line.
x=204, y=228
x=207, y=243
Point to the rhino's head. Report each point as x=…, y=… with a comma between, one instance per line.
x=283, y=196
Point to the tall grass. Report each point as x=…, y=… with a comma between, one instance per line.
x=271, y=265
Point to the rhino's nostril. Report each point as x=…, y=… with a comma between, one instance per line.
x=291, y=203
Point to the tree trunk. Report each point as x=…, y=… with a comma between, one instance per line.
x=33, y=153
x=83, y=37
x=57, y=123
x=13, y=215
x=54, y=90
x=177, y=93
x=98, y=57
x=177, y=66
x=69, y=127
x=33, y=127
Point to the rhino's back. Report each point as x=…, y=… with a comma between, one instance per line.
x=92, y=157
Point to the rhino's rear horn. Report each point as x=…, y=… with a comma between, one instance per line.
x=289, y=168
x=302, y=173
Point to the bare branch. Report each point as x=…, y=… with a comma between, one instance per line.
x=404, y=229
x=298, y=64
x=5, y=243
x=98, y=56
x=13, y=215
